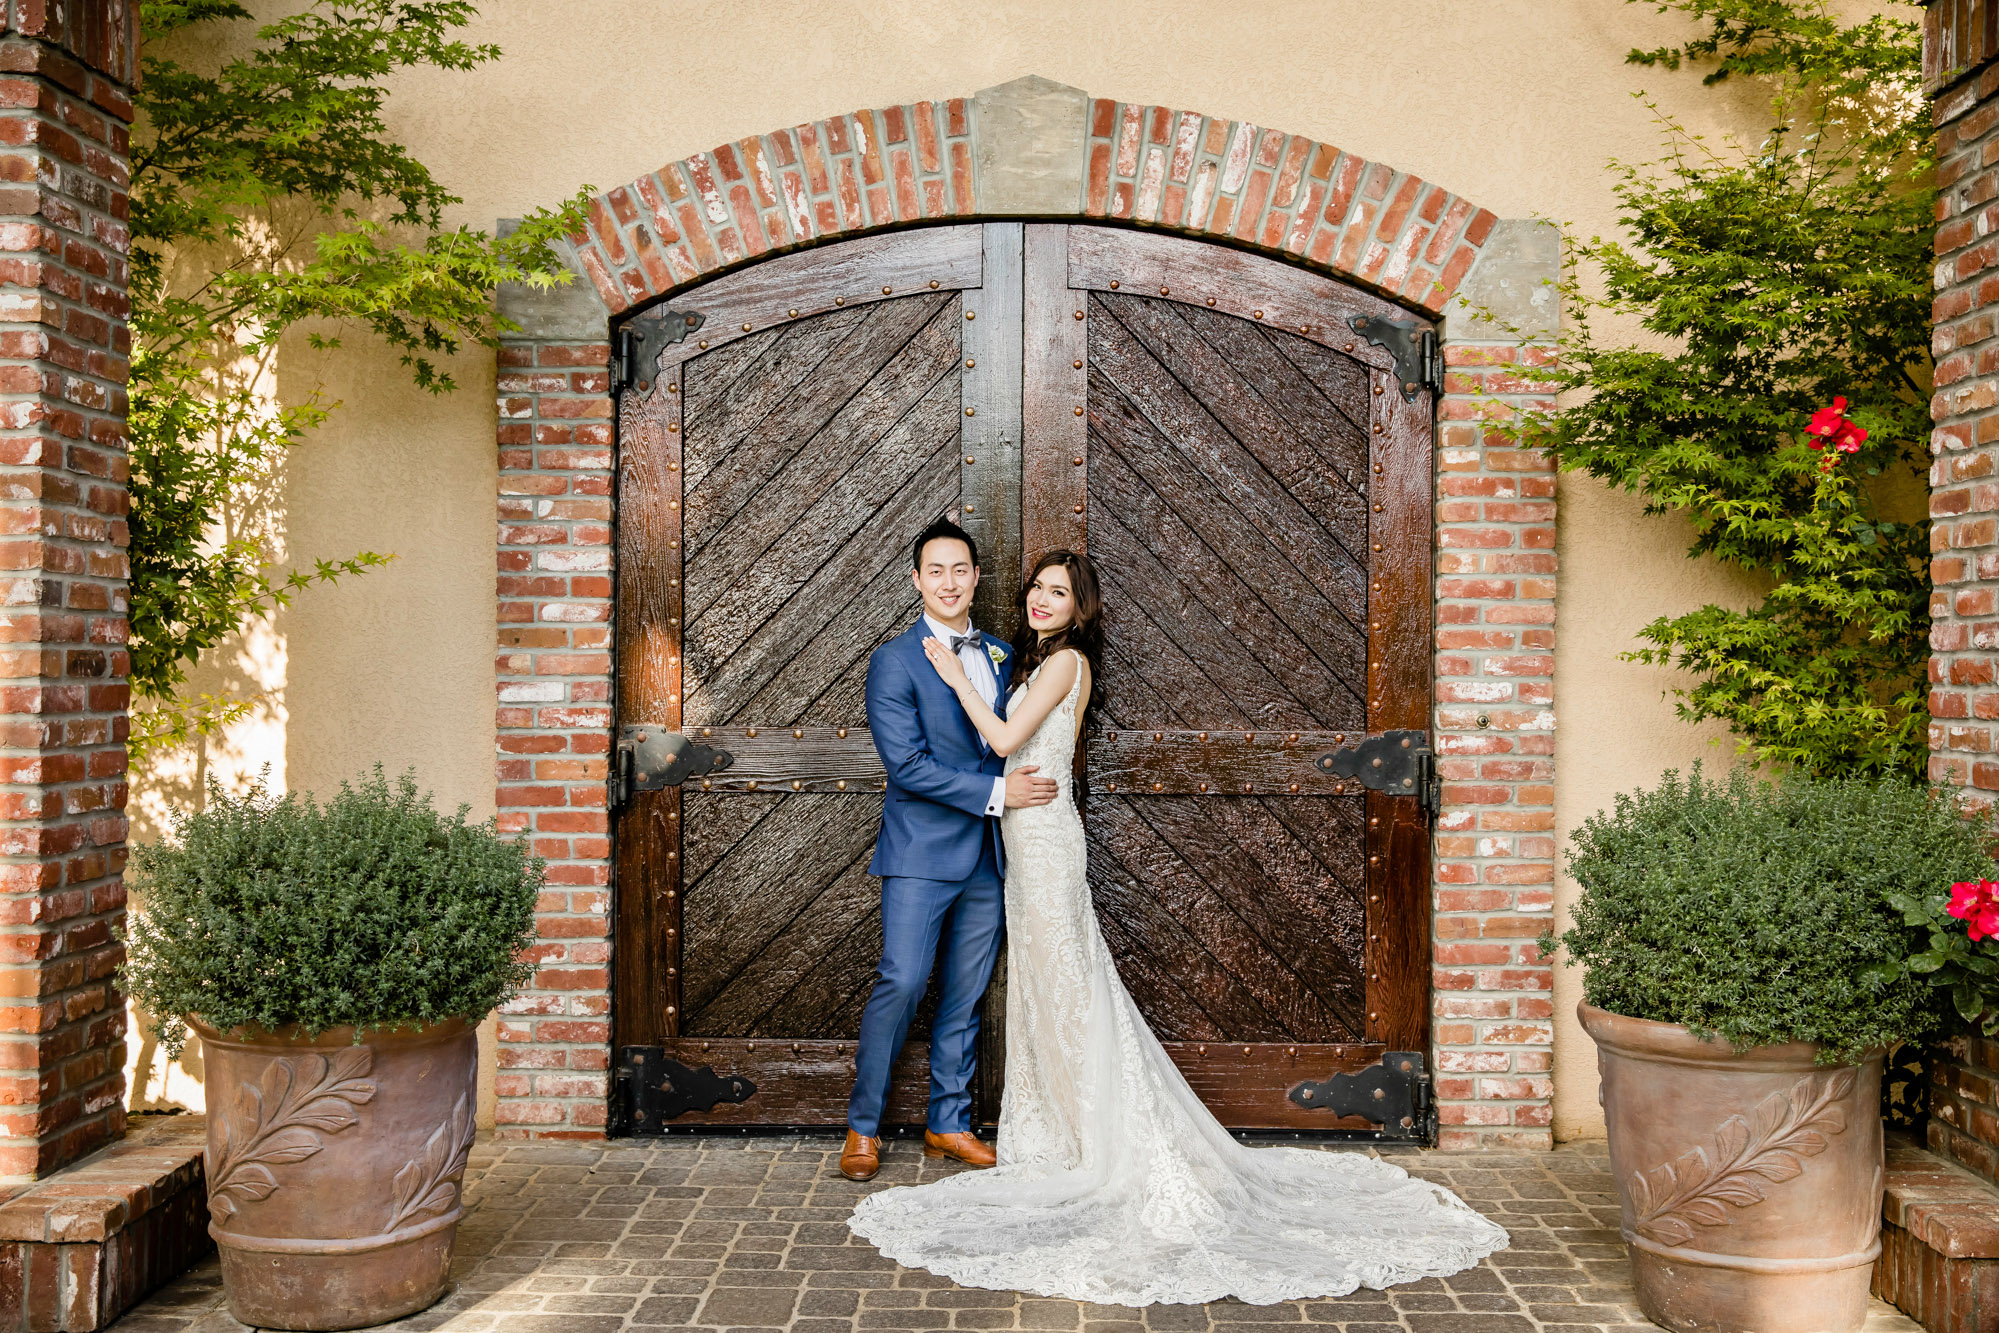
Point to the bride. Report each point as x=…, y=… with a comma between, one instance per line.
x=1114, y=1184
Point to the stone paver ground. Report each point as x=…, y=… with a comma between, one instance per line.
x=750, y=1234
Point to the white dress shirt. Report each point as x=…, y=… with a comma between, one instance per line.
x=985, y=679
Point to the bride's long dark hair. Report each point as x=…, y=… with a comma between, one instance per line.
x=1085, y=633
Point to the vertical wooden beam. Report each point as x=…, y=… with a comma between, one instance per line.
x=1054, y=400
x=1399, y=664
x=646, y=880
x=991, y=502
x=990, y=390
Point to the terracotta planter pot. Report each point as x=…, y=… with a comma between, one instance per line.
x=1751, y=1183
x=334, y=1170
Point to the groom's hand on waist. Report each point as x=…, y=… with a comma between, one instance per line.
x=1025, y=788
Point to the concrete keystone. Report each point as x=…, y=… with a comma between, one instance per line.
x=573, y=310
x=1030, y=141
x=1514, y=287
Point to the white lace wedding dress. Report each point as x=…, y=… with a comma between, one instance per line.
x=1115, y=1184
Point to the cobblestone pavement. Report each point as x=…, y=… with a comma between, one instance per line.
x=750, y=1235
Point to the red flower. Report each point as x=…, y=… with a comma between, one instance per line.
x=1830, y=430
x=1827, y=421
x=1976, y=903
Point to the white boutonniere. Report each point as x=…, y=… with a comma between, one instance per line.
x=997, y=653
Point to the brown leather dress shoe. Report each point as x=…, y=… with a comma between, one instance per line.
x=966, y=1147
x=861, y=1158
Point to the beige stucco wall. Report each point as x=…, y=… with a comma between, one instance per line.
x=1516, y=104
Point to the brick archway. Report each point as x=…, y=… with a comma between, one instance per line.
x=1033, y=148
x=1036, y=149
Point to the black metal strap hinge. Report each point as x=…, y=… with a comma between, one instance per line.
x=642, y=340
x=650, y=757
x=651, y=1089
x=1399, y=763
x=1394, y=1094
x=1419, y=359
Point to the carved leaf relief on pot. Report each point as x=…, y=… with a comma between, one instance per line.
x=1745, y=1157
x=428, y=1187
x=279, y=1120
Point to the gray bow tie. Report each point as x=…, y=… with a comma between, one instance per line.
x=959, y=642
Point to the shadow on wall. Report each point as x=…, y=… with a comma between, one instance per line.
x=251, y=665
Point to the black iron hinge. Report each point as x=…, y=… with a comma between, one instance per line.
x=1419, y=359
x=641, y=341
x=651, y=1088
x=1398, y=763
x=648, y=758
x=1394, y=1094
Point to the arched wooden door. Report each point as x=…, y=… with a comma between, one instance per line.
x=1252, y=476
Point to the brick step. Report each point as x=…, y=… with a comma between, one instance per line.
x=1939, y=1242
x=86, y=1244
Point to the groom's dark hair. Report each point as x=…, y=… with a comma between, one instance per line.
x=942, y=530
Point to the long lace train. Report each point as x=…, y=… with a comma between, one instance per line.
x=1115, y=1184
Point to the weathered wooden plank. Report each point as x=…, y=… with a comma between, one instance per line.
x=991, y=379
x=1143, y=624
x=1297, y=972
x=1122, y=693
x=714, y=692
x=1190, y=898
x=812, y=687
x=1304, y=914
x=816, y=758
x=1398, y=923
x=1345, y=383
x=1054, y=392
x=1183, y=762
x=827, y=1002
x=728, y=394
x=763, y=882
x=1334, y=831
x=1248, y=1085
x=811, y=282
x=806, y=533
x=1298, y=636
x=718, y=826
x=843, y=701
x=1231, y=281
x=1181, y=988
x=1218, y=357
x=797, y=952
x=1316, y=416
x=1218, y=618
x=1258, y=518
x=794, y=435
x=864, y=441
x=646, y=870
x=803, y=1082
x=1400, y=695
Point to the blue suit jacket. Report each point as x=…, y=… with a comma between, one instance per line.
x=940, y=778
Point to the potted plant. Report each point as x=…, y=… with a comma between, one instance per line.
x=1752, y=950
x=335, y=960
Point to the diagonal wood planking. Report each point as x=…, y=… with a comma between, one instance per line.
x=1228, y=511
x=813, y=451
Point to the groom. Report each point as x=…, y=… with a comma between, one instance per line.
x=938, y=855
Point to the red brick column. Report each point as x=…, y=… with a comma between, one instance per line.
x=554, y=718
x=1493, y=1003
x=65, y=75
x=1964, y=492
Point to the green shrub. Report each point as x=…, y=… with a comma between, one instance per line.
x=1805, y=911
x=372, y=910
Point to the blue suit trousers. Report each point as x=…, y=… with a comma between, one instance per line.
x=919, y=916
